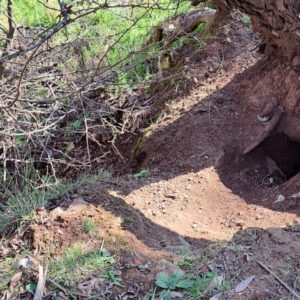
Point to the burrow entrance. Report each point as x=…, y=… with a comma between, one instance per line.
x=285, y=152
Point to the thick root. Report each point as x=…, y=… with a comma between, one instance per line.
x=266, y=131
x=181, y=25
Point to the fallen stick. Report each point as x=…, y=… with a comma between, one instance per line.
x=279, y=280
x=41, y=284
x=63, y=289
x=57, y=285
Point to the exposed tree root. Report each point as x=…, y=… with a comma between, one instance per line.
x=266, y=131
x=181, y=25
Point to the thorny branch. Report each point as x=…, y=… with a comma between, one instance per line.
x=9, y=34
x=59, y=108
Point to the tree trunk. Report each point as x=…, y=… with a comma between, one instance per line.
x=277, y=22
x=270, y=95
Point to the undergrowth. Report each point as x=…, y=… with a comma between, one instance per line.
x=82, y=263
x=33, y=193
x=45, y=142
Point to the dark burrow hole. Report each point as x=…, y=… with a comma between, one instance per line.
x=285, y=152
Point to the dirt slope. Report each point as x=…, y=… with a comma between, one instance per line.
x=201, y=186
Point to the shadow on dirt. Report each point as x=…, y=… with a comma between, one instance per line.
x=148, y=250
x=213, y=133
x=152, y=245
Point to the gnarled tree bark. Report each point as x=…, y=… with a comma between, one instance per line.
x=277, y=23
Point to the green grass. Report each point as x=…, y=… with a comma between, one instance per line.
x=183, y=261
x=200, y=285
x=246, y=20
x=88, y=226
x=122, y=30
x=143, y=173
x=32, y=13
x=6, y=272
x=77, y=263
x=36, y=191
x=193, y=285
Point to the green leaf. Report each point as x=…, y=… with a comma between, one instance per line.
x=178, y=275
x=162, y=276
x=162, y=284
x=172, y=282
x=210, y=275
x=165, y=295
x=184, y=284
x=104, y=252
x=144, y=173
x=31, y=288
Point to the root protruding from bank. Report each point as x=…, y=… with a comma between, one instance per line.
x=266, y=130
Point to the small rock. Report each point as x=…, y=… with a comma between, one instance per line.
x=263, y=119
x=182, y=246
x=280, y=199
x=297, y=195
x=170, y=196
x=296, y=61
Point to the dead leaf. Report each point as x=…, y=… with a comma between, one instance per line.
x=244, y=284
x=4, y=252
x=217, y=296
x=15, y=280
x=211, y=267
x=71, y=146
x=176, y=294
x=16, y=243
x=248, y=256
x=88, y=286
x=24, y=262
x=215, y=283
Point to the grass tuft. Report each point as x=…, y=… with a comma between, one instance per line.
x=36, y=192
x=88, y=226
x=82, y=263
